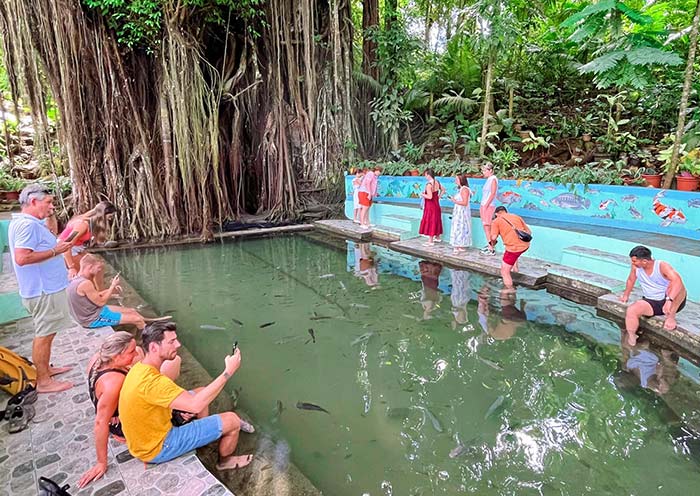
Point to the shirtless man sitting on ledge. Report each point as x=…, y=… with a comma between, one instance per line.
x=662, y=288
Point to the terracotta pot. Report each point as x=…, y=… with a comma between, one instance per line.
x=9, y=195
x=687, y=183
x=414, y=172
x=653, y=180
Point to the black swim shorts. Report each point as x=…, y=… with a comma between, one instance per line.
x=658, y=305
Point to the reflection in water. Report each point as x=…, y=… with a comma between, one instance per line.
x=655, y=368
x=430, y=295
x=365, y=264
x=460, y=296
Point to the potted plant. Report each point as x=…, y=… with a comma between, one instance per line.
x=689, y=168
x=651, y=177
x=10, y=186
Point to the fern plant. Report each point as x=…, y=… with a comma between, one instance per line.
x=626, y=46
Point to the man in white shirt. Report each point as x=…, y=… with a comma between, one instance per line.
x=42, y=278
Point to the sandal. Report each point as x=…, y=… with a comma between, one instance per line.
x=20, y=417
x=25, y=397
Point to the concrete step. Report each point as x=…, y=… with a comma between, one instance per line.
x=579, y=285
x=403, y=222
x=344, y=227
x=613, y=265
x=388, y=233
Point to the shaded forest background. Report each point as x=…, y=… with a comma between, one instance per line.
x=189, y=114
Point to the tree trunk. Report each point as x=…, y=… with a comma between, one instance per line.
x=370, y=19
x=487, y=105
x=668, y=178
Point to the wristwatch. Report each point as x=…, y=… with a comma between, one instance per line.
x=668, y=298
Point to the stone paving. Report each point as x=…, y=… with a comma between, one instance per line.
x=59, y=441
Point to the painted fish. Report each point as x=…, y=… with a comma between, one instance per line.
x=544, y=203
x=531, y=206
x=212, y=327
x=550, y=188
x=603, y=216
x=571, y=201
x=537, y=192
x=629, y=198
x=694, y=203
x=667, y=213
x=326, y=276
x=266, y=324
x=509, y=197
x=302, y=405
x=635, y=213
x=606, y=203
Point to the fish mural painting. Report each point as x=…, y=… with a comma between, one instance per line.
x=669, y=214
x=571, y=201
x=509, y=197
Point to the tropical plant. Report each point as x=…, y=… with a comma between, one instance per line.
x=627, y=46
x=8, y=182
x=505, y=159
x=533, y=142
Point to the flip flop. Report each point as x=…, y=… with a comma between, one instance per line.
x=157, y=319
x=20, y=417
x=25, y=397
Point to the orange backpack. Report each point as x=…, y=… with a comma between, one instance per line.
x=16, y=372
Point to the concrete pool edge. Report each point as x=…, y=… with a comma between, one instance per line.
x=572, y=284
x=261, y=478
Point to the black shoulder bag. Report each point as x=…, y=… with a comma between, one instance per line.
x=524, y=236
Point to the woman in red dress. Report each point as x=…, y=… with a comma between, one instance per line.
x=431, y=223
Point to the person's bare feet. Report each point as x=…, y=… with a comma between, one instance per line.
x=59, y=370
x=53, y=386
x=632, y=339
x=670, y=324
x=233, y=462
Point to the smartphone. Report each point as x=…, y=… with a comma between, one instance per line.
x=71, y=237
x=235, y=347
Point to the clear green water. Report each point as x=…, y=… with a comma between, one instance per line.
x=536, y=408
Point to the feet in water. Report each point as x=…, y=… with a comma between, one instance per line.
x=53, y=386
x=59, y=370
x=233, y=462
x=632, y=338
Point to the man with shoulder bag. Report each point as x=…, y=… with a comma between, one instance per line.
x=516, y=237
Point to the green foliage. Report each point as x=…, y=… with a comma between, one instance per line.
x=139, y=23
x=10, y=183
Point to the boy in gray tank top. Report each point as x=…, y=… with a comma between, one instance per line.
x=662, y=288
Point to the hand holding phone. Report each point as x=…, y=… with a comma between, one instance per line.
x=235, y=347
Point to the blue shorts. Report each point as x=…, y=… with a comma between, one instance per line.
x=190, y=436
x=106, y=318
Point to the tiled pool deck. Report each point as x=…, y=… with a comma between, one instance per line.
x=59, y=442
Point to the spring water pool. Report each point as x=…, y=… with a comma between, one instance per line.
x=435, y=383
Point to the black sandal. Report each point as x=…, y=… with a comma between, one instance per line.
x=25, y=397
x=19, y=417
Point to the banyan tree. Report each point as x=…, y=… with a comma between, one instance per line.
x=187, y=113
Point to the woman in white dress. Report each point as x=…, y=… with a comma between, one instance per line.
x=461, y=233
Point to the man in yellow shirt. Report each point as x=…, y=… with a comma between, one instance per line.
x=148, y=397
x=506, y=224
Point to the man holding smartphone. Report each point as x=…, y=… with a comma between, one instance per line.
x=148, y=397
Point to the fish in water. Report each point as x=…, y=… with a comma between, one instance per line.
x=312, y=334
x=629, y=198
x=667, y=213
x=571, y=201
x=266, y=324
x=433, y=419
x=358, y=305
x=494, y=406
x=342, y=286
x=401, y=412
x=531, y=206
x=412, y=317
x=212, y=327
x=302, y=405
x=509, y=197
x=277, y=412
x=694, y=203
x=237, y=322
x=490, y=363
x=635, y=213
x=326, y=276
x=606, y=203
x=365, y=337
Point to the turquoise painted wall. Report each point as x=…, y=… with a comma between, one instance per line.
x=551, y=244
x=671, y=212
